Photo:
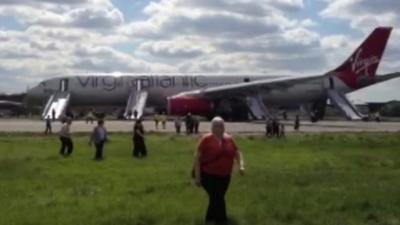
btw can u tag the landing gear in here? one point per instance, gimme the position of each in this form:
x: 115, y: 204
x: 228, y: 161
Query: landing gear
x: 317, y: 111
x: 231, y: 110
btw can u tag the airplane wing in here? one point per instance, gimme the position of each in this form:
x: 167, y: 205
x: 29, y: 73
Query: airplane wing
x: 257, y: 86
x: 246, y: 89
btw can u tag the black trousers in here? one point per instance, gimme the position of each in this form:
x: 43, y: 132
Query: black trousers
x: 189, y: 129
x: 139, y: 147
x: 178, y: 129
x: 216, y: 187
x: 99, y: 150
x: 66, y: 146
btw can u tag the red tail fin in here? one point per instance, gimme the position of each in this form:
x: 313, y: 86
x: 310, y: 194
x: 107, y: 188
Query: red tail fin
x: 359, y: 70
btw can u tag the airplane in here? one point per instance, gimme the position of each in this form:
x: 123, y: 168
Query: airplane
x: 232, y: 96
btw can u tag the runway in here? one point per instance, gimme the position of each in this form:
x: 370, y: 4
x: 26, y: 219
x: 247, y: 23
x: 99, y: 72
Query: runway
x: 37, y: 126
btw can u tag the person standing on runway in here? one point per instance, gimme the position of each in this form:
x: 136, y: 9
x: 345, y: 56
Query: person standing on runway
x: 48, y: 125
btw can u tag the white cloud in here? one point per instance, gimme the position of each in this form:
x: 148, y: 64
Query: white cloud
x: 287, y: 4
x: 222, y: 29
x: 335, y: 42
x: 308, y: 23
x: 95, y: 18
x: 96, y: 14
x: 222, y: 18
x: 364, y: 14
x: 181, y: 48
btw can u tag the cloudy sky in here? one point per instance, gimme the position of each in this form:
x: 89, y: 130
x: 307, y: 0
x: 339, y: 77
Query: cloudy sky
x: 40, y: 39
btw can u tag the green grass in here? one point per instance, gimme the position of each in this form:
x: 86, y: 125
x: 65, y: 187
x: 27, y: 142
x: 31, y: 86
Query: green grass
x: 322, y: 179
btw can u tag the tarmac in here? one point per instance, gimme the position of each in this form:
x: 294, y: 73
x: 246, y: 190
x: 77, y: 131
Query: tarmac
x: 38, y: 126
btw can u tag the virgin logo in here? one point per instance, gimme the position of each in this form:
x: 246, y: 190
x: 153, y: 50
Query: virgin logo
x: 359, y: 64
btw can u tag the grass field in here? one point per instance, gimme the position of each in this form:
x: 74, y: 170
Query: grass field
x: 321, y: 179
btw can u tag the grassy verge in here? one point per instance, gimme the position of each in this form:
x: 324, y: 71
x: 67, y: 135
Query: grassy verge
x: 305, y: 179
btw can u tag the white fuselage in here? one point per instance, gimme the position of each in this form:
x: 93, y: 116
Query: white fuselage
x: 115, y: 90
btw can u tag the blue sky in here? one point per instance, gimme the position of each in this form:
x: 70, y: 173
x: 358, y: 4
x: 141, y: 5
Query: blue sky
x: 40, y: 40
x: 132, y: 10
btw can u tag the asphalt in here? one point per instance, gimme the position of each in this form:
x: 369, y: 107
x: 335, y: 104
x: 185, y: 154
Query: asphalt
x: 38, y: 126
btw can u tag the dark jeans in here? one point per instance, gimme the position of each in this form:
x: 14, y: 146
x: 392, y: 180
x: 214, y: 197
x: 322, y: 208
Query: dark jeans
x: 66, y: 146
x: 99, y: 150
x: 216, y: 187
x: 189, y: 129
x: 178, y: 129
x: 139, y: 147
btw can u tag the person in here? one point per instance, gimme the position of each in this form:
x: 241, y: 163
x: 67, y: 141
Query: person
x: 121, y: 115
x: 178, y: 124
x: 163, y: 119
x: 189, y: 123
x: 377, y: 117
x: 156, y: 120
x: 282, y: 130
x: 69, y: 114
x: 275, y: 127
x: 213, y: 163
x: 48, y: 125
x: 313, y: 116
x: 99, y: 138
x: 65, y: 137
x: 53, y: 114
x: 135, y: 114
x: 139, y: 146
x: 297, y: 123
x: 268, y: 128
x: 90, y: 117
x: 129, y: 114
x: 196, y: 123
x: 284, y: 115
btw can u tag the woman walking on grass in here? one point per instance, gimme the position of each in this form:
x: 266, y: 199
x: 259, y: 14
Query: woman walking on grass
x: 213, y: 163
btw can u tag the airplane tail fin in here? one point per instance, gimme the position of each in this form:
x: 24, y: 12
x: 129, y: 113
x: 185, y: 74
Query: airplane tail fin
x: 359, y: 69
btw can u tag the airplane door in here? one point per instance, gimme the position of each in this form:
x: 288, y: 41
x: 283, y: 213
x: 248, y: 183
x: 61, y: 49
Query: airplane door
x: 64, y: 85
x: 139, y: 85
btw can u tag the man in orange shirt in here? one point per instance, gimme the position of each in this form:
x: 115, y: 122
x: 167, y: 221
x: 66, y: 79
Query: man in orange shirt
x: 213, y: 167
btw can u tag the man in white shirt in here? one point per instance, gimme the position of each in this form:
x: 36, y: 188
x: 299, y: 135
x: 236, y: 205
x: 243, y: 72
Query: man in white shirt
x: 65, y: 138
